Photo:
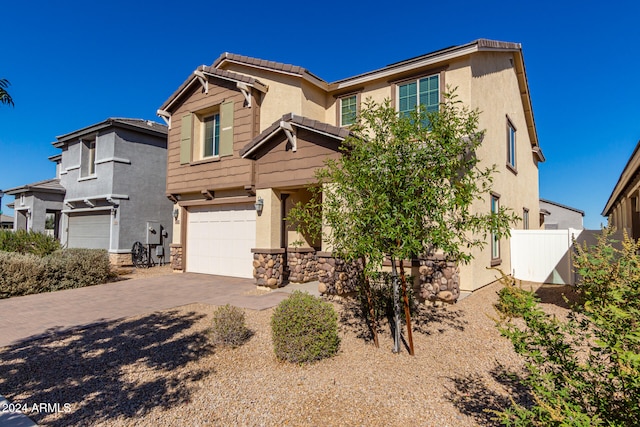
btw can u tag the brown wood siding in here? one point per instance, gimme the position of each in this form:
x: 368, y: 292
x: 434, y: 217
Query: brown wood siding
x: 278, y: 166
x: 227, y: 172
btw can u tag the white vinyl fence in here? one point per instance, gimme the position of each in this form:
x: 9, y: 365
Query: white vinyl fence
x: 543, y: 255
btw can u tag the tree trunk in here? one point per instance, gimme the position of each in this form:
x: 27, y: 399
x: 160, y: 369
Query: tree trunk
x: 396, y: 306
x: 372, y: 311
x: 407, y: 312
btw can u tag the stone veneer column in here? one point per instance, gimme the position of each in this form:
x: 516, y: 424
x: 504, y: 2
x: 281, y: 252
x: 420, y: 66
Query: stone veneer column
x: 176, y: 257
x: 439, y: 279
x: 302, y: 265
x: 269, y: 267
x: 336, y: 276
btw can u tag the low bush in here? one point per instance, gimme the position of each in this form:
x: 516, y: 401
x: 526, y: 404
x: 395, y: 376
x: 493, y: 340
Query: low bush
x: 304, y: 329
x: 513, y: 301
x: 228, y: 327
x: 584, y: 370
x: 23, y: 274
x: 28, y: 242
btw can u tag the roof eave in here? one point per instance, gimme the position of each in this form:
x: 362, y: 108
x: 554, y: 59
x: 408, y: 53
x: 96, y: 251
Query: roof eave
x: 627, y: 172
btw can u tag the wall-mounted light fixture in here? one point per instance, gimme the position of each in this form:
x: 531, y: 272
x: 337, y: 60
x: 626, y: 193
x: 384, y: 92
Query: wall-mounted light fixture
x: 259, y: 205
x: 176, y: 212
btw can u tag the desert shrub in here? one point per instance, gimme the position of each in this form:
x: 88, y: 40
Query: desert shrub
x: 584, y: 370
x: 304, y: 329
x: 28, y: 242
x: 23, y: 274
x: 513, y: 300
x: 228, y: 327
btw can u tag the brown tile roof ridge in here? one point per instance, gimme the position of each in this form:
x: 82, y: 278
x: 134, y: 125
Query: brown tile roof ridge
x: 263, y: 63
x: 230, y: 75
x: 311, y: 124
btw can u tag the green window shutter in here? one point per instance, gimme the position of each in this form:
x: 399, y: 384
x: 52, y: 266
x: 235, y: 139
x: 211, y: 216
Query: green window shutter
x: 186, y: 127
x: 226, y: 129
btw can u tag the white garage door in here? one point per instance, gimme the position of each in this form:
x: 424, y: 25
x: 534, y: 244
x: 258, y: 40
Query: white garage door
x: 89, y: 230
x: 219, y: 240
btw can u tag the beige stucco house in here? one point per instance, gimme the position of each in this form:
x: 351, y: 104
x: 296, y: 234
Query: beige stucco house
x: 246, y: 136
x: 623, y: 207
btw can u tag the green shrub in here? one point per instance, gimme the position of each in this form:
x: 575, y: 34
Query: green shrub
x: 228, y: 327
x: 513, y: 301
x: 304, y: 329
x: 584, y: 370
x: 28, y: 242
x: 23, y: 274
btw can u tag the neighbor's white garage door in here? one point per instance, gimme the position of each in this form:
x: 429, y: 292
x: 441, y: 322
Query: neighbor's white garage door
x: 219, y: 240
x: 89, y: 230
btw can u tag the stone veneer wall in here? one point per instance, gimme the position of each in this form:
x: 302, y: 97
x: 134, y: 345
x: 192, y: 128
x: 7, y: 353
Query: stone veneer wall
x: 302, y: 264
x: 268, y: 267
x: 336, y: 276
x: 176, y: 256
x: 439, y: 279
x: 120, y: 260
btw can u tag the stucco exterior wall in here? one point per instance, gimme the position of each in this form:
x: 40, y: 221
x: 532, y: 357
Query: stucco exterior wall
x: 495, y: 92
x: 561, y: 218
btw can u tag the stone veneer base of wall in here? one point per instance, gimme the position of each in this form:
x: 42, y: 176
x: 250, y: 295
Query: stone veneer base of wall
x: 439, y: 279
x: 120, y: 260
x: 175, y: 257
x: 269, y: 267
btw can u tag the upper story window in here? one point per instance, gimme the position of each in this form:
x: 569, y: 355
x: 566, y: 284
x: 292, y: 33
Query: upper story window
x: 423, y: 92
x: 511, y: 145
x: 207, y: 134
x: 88, y: 157
x: 348, y: 110
x: 211, y: 135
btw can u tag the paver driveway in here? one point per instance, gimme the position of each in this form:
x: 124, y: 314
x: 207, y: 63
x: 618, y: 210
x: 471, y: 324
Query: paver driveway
x: 32, y: 316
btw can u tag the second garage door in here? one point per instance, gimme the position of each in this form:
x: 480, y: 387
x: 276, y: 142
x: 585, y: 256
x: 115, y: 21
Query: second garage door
x: 219, y: 240
x: 89, y: 230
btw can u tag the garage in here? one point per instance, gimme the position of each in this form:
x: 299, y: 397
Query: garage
x: 90, y: 230
x: 220, y: 239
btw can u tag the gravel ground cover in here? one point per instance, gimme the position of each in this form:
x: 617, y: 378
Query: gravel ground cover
x: 161, y: 369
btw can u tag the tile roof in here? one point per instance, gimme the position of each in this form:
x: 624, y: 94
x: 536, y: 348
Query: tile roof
x: 262, y: 63
x: 223, y: 74
x: 147, y: 126
x: 299, y: 121
x: 47, y: 186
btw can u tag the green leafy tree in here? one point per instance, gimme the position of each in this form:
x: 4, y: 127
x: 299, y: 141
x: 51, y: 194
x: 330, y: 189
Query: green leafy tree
x: 5, y: 97
x: 584, y: 370
x: 404, y: 186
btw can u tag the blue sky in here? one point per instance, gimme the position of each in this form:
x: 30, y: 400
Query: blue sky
x: 75, y: 63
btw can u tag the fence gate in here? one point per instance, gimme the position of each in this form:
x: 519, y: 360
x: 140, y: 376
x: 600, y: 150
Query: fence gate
x: 543, y: 255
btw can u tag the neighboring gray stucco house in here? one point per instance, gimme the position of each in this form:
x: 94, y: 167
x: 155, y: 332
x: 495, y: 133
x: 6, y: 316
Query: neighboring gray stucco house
x: 38, y: 206
x: 114, y: 173
x: 560, y: 217
x: 6, y: 222
x: 108, y: 192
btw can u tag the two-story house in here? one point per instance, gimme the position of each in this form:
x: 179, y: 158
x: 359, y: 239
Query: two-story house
x: 246, y: 135
x: 108, y: 192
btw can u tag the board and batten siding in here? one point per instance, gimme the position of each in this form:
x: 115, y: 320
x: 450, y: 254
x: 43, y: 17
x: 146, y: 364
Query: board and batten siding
x: 230, y: 170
